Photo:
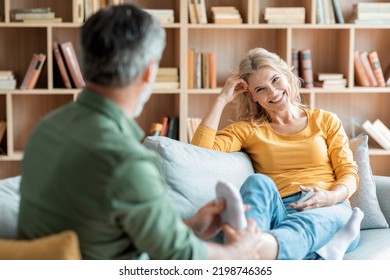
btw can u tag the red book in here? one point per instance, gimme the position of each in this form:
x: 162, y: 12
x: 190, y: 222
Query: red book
x: 164, y: 129
x: 376, y: 68
x: 367, y: 68
x: 61, y: 65
x: 37, y: 71
x: 72, y: 64
x: 29, y: 72
x: 306, y: 68
x: 361, y: 78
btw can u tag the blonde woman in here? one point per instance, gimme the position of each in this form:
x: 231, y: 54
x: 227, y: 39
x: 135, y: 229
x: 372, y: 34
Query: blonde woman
x: 294, y: 149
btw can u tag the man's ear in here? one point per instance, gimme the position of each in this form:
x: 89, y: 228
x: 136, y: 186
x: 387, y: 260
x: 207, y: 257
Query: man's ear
x: 150, y: 72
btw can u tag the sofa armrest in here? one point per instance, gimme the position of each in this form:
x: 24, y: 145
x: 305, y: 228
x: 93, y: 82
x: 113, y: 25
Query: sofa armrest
x: 383, y: 194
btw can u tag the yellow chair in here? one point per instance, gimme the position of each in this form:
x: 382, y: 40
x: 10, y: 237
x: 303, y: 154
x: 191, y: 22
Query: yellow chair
x: 60, y: 246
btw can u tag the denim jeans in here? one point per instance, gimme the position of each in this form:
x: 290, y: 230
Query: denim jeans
x: 299, y: 234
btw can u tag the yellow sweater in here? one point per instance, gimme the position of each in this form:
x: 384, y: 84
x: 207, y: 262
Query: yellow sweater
x: 319, y: 155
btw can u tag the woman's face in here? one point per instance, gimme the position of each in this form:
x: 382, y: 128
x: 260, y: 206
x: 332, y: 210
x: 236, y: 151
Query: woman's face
x: 270, y: 89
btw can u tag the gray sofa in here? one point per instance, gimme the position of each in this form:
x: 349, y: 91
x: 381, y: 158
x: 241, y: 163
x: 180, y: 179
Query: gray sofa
x: 192, y: 172
x: 191, y: 175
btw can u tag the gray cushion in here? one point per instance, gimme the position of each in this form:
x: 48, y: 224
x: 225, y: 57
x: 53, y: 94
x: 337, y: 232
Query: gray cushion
x: 365, y: 198
x: 192, y: 172
x: 374, y: 245
x: 9, y: 206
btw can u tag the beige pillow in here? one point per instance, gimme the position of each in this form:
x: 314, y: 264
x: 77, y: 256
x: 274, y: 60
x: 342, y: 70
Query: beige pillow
x: 365, y: 197
x: 60, y: 246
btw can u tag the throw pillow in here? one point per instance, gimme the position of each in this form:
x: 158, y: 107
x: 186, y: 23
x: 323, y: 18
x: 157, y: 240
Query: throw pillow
x: 365, y: 197
x: 9, y: 206
x: 192, y: 172
x: 60, y: 246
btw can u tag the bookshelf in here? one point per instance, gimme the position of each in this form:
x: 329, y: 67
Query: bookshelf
x: 332, y: 47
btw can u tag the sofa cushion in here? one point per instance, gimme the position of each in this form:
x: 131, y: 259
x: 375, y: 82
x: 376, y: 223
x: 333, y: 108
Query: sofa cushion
x: 365, y: 197
x: 60, y: 246
x: 9, y: 206
x: 192, y: 172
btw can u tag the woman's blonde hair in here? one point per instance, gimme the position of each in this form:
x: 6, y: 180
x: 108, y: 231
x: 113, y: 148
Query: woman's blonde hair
x: 246, y: 108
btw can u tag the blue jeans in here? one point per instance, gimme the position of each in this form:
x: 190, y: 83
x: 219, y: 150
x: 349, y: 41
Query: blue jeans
x: 299, y: 234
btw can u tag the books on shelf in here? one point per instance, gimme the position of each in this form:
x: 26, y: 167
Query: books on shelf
x: 34, y: 15
x: 368, y: 70
x: 305, y: 68
x: 202, y: 69
x: 168, y: 126
x: 72, y: 64
x: 226, y: 15
x: 295, y: 61
x: 7, y: 80
x: 285, y: 15
x: 33, y: 72
x: 330, y: 80
x: 329, y: 12
x: 379, y: 132
x: 59, y: 62
x: 371, y: 13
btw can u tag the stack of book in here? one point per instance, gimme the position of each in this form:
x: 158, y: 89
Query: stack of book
x: 167, y: 78
x: 285, y: 15
x: 329, y: 12
x: 371, y: 13
x: 330, y: 80
x: 379, y: 132
x: 34, y: 15
x: 163, y: 15
x: 368, y: 70
x: 202, y: 69
x: 226, y: 15
x: 7, y: 80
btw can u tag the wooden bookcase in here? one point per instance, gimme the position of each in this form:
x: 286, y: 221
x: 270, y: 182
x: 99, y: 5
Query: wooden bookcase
x: 332, y: 48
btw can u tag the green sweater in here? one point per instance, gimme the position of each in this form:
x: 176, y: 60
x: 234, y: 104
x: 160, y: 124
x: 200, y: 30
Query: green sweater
x: 85, y: 169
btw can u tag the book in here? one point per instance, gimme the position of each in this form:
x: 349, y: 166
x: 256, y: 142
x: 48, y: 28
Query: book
x: 29, y: 72
x: 61, y: 65
x: 173, y: 127
x: 337, y: 83
x: 42, y: 20
x: 329, y: 76
x: 200, y: 7
x: 295, y: 61
x: 22, y: 16
x: 166, y: 85
x: 198, y: 69
x: 205, y: 70
x: 306, y: 68
x: 367, y: 69
x: 192, y: 12
x: 72, y: 63
x: 155, y: 129
x: 191, y: 68
x: 164, y: 128
x: 374, y: 134
x: 382, y: 129
x: 213, y: 69
x: 376, y: 68
x: 37, y: 71
x: 338, y: 12
x: 361, y: 77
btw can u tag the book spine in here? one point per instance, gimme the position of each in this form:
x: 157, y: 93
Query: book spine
x: 191, y: 68
x: 61, y: 65
x: 200, y: 6
x: 306, y: 68
x: 213, y: 69
x: 370, y: 129
x: 29, y: 72
x: 376, y: 68
x: 198, y: 69
x: 205, y: 70
x: 361, y: 78
x: 295, y: 62
x: 72, y: 63
x: 368, y: 69
x: 338, y: 12
x: 192, y: 12
x: 37, y: 71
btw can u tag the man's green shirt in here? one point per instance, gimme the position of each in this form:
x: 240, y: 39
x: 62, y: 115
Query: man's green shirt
x: 85, y: 169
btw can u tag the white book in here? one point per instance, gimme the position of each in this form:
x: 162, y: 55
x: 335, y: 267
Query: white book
x: 372, y: 132
x: 382, y: 129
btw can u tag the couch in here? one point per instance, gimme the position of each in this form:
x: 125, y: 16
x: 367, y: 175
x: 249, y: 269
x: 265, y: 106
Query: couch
x: 192, y: 173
